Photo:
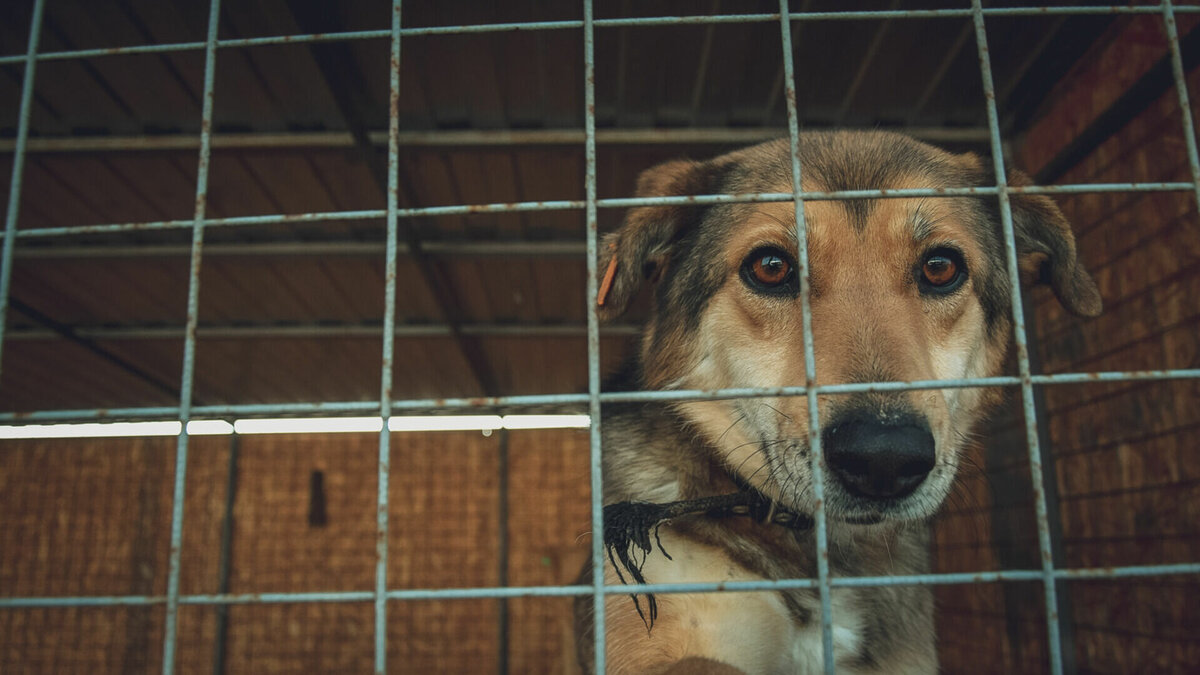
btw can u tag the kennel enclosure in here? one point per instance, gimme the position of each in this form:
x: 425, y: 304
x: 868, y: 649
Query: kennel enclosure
x: 231, y: 211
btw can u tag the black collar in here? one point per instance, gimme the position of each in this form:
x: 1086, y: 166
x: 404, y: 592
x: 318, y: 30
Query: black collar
x: 629, y: 524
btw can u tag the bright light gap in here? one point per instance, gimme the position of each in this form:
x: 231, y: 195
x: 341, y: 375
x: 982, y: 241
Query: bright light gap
x: 296, y: 425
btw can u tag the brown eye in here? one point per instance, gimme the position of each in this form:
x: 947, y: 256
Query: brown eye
x: 770, y: 269
x: 942, y: 271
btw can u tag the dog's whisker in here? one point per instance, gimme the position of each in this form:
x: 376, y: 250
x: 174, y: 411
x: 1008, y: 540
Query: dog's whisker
x: 761, y: 448
x: 779, y: 412
x: 741, y: 418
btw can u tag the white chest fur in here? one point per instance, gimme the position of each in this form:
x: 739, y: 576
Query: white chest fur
x: 753, y: 631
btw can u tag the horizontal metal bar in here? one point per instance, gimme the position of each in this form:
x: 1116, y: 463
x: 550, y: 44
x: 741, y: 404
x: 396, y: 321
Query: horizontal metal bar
x: 506, y: 249
x: 143, y: 600
x: 470, y: 593
x: 274, y: 219
x: 615, y: 203
x: 461, y: 138
x: 773, y: 392
x: 894, y: 193
x: 966, y: 13
x: 212, y: 411
x: 599, y: 23
x: 346, y: 407
x: 317, y: 330
x: 101, y: 414
x: 1100, y: 573
x: 263, y: 409
x: 82, y: 601
x: 1080, y: 574
x: 306, y: 38
x: 863, y: 387
x: 111, y: 51
x: 1093, y: 188
x: 1118, y: 376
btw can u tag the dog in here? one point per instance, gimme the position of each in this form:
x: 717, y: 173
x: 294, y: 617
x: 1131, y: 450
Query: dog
x: 902, y: 289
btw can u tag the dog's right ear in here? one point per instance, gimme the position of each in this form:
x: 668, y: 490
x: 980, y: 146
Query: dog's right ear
x: 1046, y: 250
x: 641, y: 250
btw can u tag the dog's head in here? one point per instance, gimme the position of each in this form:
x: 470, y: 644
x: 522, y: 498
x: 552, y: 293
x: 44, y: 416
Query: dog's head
x: 902, y: 289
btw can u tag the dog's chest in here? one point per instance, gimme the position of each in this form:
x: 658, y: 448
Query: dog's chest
x: 758, y: 632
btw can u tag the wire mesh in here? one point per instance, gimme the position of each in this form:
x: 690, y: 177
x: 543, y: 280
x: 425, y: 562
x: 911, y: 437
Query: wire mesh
x: 1049, y: 574
x: 618, y: 203
x: 389, y: 335
x: 598, y: 23
x: 816, y: 460
x: 189, y: 344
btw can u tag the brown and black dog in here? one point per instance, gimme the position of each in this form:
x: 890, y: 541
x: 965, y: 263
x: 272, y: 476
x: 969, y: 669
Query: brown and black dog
x: 902, y: 289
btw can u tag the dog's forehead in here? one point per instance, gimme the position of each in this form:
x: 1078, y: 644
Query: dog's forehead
x: 860, y: 161
x: 837, y: 161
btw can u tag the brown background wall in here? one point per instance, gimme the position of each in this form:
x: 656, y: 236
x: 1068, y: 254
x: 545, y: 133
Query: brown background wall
x: 93, y: 518
x: 1123, y: 453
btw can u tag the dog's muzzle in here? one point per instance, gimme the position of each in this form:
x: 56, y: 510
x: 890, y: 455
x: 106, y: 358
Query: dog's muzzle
x: 879, y: 461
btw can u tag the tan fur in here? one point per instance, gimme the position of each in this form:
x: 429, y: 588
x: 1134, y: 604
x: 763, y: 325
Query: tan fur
x: 870, y: 323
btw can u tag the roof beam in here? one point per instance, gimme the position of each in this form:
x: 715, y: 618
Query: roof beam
x: 87, y: 335
x: 57, y: 330
x: 467, y: 138
x: 341, y: 248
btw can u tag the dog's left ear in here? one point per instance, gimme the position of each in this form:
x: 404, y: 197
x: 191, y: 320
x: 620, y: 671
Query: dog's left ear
x: 641, y: 250
x: 1046, y: 250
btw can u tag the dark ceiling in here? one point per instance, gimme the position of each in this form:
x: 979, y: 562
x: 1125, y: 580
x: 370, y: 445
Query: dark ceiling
x: 488, y: 303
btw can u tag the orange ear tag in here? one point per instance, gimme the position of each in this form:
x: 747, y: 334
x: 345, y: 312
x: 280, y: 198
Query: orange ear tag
x: 606, y: 284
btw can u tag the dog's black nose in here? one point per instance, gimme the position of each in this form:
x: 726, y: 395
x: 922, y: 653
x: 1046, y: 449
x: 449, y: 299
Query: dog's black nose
x: 877, y: 460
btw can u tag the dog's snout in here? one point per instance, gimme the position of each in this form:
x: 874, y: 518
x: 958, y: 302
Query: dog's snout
x: 879, y: 461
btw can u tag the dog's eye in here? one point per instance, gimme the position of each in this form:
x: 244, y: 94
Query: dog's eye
x: 771, y: 270
x: 942, y: 271
x: 768, y: 269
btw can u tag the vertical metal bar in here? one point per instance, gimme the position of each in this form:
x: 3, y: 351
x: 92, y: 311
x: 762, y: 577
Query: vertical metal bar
x: 1185, y: 110
x: 1018, y: 311
x: 777, y: 87
x: 1066, y: 623
x: 18, y: 167
x: 189, y: 341
x: 810, y: 362
x: 593, y: 333
x: 389, y: 334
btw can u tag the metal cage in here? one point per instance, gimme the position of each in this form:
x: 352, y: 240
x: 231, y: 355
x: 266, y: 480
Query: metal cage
x: 1049, y: 574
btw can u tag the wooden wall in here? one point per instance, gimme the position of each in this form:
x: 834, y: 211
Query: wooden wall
x: 1123, y: 454
x: 93, y: 518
